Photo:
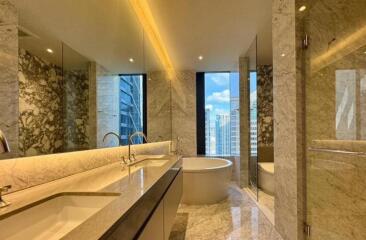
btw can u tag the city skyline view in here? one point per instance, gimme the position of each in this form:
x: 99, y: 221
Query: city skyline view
x: 222, y: 113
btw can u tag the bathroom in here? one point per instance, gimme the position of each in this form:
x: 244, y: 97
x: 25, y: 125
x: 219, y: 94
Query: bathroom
x: 136, y: 119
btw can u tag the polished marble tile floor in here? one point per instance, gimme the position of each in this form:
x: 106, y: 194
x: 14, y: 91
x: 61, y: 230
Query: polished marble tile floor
x: 236, y: 218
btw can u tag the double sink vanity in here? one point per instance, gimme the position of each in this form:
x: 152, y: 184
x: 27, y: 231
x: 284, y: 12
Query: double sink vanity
x: 115, y: 201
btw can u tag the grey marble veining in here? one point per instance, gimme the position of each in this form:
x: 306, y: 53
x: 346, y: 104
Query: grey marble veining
x: 27, y: 172
x: 171, y: 106
x: 236, y: 218
x: 336, y: 198
x: 265, y: 105
x: 159, y: 109
x: 184, y: 111
x: 288, y: 123
x: 53, y: 106
x: 244, y: 121
x: 8, y: 78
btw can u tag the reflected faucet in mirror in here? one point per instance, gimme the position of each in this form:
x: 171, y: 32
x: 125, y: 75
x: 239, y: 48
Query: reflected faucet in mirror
x: 114, y: 134
x: 130, y: 143
x: 4, y: 146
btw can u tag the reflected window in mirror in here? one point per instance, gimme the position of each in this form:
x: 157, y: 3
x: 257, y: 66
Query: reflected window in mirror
x: 121, y: 108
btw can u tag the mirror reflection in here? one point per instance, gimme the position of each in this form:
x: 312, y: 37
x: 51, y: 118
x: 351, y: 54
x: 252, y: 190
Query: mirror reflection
x: 80, y: 86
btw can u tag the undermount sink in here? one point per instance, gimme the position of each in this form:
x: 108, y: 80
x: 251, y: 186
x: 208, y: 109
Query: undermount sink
x: 53, y: 217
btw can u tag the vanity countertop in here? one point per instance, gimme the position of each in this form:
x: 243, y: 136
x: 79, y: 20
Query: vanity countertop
x: 109, y: 179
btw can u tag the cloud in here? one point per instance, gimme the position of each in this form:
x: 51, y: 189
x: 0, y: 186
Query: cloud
x: 220, y: 97
x: 220, y: 111
x: 253, y: 96
x: 220, y: 79
x: 209, y: 107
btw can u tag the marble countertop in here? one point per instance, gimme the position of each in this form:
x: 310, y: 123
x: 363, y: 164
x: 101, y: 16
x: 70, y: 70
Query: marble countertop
x: 111, y: 179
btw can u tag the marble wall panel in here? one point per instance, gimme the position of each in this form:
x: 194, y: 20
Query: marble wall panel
x: 184, y: 111
x: 159, y: 106
x: 92, y: 125
x: 288, y: 123
x: 26, y: 172
x: 244, y: 121
x: 53, y: 106
x: 9, y: 103
x: 41, y: 99
x: 265, y: 105
x: 265, y: 112
x: 107, y: 106
x: 76, y: 109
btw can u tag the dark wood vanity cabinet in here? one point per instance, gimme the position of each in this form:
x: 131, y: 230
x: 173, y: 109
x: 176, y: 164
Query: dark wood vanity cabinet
x: 161, y: 222
x: 152, y: 216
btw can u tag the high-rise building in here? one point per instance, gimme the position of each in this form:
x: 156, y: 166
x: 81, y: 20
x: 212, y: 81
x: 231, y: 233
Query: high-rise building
x: 130, y: 98
x: 222, y: 134
x: 208, y: 131
x: 253, y: 128
x: 234, y: 126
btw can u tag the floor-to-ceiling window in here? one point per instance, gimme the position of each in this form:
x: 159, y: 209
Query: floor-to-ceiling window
x: 221, y: 90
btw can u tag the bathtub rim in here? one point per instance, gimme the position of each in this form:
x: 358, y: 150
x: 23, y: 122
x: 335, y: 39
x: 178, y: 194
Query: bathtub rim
x: 228, y: 164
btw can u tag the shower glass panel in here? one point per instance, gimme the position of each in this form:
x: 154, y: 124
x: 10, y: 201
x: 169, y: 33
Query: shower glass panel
x: 252, y: 117
x: 253, y: 166
x: 334, y: 75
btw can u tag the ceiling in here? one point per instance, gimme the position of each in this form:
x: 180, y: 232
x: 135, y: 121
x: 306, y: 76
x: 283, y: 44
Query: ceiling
x: 219, y: 30
x: 109, y: 33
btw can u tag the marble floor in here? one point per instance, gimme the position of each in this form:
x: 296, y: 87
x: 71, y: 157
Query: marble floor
x: 266, y: 200
x: 236, y: 218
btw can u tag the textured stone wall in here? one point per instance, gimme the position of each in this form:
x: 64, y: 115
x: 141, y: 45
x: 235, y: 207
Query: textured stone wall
x: 265, y: 113
x: 76, y: 109
x: 53, y: 106
x: 41, y: 96
x: 265, y: 105
x: 8, y: 78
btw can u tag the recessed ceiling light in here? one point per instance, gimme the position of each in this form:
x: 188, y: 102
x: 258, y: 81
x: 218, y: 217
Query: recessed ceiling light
x: 282, y: 55
x: 200, y: 57
x: 302, y: 8
x: 131, y: 60
x: 49, y: 50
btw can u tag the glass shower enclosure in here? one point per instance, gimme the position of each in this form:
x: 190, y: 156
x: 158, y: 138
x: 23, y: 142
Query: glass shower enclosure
x: 334, y: 74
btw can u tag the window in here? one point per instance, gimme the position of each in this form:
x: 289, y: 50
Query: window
x: 253, y: 114
x: 221, y: 99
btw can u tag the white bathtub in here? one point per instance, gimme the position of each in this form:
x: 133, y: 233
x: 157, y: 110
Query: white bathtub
x: 266, y: 177
x: 205, y: 180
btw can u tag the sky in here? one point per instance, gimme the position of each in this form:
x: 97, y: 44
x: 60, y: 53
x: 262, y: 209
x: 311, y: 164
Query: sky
x: 218, y: 89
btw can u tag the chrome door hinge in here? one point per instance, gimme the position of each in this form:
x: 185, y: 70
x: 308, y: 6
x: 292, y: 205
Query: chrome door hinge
x: 305, y: 42
x: 307, y: 230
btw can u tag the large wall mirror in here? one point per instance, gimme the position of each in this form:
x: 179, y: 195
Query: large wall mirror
x: 88, y: 78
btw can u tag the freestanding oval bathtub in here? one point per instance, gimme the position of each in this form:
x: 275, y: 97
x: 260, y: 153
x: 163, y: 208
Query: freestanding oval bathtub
x: 205, y: 180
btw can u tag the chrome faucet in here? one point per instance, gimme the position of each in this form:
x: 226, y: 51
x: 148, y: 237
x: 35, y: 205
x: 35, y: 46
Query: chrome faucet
x: 4, y: 146
x: 130, y: 142
x: 114, y: 134
x: 3, y: 203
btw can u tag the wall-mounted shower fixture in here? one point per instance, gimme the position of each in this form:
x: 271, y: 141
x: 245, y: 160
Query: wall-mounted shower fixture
x: 4, y: 146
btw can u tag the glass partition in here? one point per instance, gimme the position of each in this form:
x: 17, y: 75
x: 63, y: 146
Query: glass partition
x: 334, y: 62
